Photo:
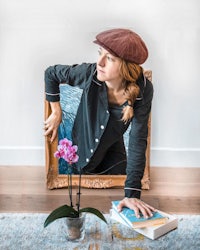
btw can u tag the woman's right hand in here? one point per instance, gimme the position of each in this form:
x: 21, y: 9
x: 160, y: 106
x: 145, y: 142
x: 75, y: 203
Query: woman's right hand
x: 53, y: 121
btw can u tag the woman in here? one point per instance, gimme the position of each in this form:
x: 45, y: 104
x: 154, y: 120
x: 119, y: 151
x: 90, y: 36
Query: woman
x: 115, y: 94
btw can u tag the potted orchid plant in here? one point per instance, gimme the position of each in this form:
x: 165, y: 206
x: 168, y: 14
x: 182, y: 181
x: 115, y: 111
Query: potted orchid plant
x: 68, y: 152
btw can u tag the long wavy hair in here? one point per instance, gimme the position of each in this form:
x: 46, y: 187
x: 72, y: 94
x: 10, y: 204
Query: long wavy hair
x: 130, y: 73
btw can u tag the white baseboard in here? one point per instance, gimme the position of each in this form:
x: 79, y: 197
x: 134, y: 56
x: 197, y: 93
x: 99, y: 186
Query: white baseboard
x: 166, y: 157
x: 23, y: 156
x: 175, y: 157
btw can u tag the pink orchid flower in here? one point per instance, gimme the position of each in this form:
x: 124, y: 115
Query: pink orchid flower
x: 71, y: 156
x: 65, y: 142
x: 66, y: 151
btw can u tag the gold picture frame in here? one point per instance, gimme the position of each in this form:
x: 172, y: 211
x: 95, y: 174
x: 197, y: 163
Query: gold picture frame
x: 55, y: 180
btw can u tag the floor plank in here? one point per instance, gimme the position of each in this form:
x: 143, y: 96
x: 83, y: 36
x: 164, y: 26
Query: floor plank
x: 23, y: 189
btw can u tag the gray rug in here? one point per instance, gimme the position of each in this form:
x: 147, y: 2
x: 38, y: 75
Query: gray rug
x: 26, y: 232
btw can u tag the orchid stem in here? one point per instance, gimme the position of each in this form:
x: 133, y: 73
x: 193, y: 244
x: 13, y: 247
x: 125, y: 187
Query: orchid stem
x: 70, y: 188
x: 79, y: 193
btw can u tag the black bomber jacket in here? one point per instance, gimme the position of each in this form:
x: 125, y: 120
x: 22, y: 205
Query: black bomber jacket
x: 93, y: 113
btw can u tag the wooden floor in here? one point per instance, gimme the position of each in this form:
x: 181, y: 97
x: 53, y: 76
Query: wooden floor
x: 173, y: 190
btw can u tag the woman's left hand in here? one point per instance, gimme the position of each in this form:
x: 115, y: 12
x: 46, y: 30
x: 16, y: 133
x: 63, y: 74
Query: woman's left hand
x: 138, y: 206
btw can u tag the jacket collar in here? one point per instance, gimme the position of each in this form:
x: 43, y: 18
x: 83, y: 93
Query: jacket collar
x: 95, y: 80
x: 102, y: 93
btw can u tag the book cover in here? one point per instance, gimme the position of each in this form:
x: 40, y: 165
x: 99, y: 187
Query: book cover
x: 130, y: 218
x: 151, y: 232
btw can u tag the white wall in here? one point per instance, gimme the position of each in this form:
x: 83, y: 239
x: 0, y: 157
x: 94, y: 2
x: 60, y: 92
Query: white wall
x: 37, y: 33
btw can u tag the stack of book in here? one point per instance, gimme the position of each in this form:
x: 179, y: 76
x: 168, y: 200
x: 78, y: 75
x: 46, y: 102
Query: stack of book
x: 154, y: 227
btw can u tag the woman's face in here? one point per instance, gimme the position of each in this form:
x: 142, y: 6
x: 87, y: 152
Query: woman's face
x: 108, y: 67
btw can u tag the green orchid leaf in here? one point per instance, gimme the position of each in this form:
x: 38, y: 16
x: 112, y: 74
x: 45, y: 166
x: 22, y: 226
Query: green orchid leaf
x: 93, y: 211
x: 61, y: 212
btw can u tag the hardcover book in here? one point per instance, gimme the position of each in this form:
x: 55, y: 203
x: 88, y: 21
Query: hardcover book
x: 130, y: 218
x: 154, y: 227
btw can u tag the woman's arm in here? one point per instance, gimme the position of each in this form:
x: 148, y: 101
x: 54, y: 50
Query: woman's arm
x: 54, y: 75
x: 136, y: 154
x: 137, y: 151
x: 53, y: 121
x: 75, y: 75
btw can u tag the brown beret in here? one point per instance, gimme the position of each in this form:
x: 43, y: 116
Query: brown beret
x: 123, y: 43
